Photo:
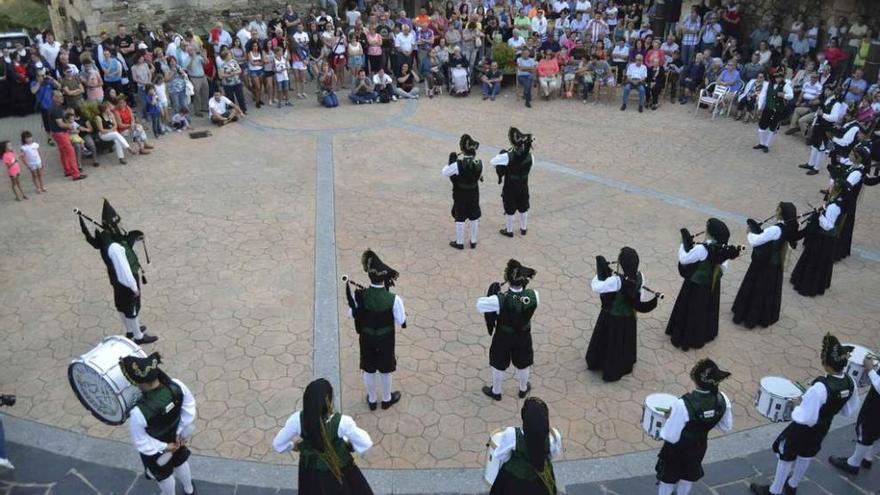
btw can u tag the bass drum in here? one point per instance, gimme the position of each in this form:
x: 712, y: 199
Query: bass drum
x: 99, y: 384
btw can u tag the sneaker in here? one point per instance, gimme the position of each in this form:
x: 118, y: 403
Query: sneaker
x: 456, y: 245
x: 505, y: 233
x: 395, y: 398
x: 4, y: 463
x: 487, y: 390
x: 523, y: 393
x: 842, y: 464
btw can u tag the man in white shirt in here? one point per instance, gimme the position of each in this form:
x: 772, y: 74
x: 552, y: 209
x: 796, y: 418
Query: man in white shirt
x: 404, y: 48
x: 539, y: 25
x: 383, y: 85
x: 808, y: 102
x: 636, y: 74
x: 222, y: 110
x: 260, y: 26
x: 516, y: 42
x: 49, y: 49
x: 243, y: 34
x: 223, y: 37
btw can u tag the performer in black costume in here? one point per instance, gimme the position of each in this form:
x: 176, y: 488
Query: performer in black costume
x: 694, y: 318
x: 831, y: 113
x: 686, y: 431
x: 325, y: 440
x: 811, y: 419
x: 376, y: 310
x: 774, y: 101
x: 511, y: 312
x: 123, y: 269
x: 613, y: 344
x: 867, y: 427
x: 159, y: 421
x: 526, y: 454
x: 760, y: 295
x: 513, y: 166
x: 812, y: 273
x: 465, y: 172
x: 850, y: 172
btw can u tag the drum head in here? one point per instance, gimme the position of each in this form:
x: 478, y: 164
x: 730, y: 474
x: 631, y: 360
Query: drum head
x: 780, y: 387
x: 858, y: 354
x: 96, y: 394
x: 660, y: 401
x: 495, y: 437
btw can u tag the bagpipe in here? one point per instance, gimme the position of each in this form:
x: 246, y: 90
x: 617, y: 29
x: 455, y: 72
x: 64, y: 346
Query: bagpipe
x: 645, y: 288
x: 131, y: 237
x: 354, y: 299
x: 723, y: 245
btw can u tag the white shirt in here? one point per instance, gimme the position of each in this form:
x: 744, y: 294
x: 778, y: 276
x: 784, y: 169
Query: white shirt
x: 490, y: 304
x: 807, y: 413
x: 359, y: 439
x: 620, y: 53
x: 243, y: 35
x: 539, y: 25
x: 762, y: 97
x: 224, y: 38
x: 639, y: 72
x: 501, y: 159
x: 678, y: 418
x: 769, y: 235
x: 31, y: 153
x: 848, y: 137
x: 811, y: 90
x: 281, y: 67
x: 583, y: 6
x: 398, y: 309
x: 219, y: 107
x: 874, y: 377
x: 507, y: 443
x: 405, y: 42
x: 829, y: 217
x: 695, y: 255
x: 120, y: 265
x: 838, y: 111
x: 137, y: 424
x: 49, y: 51
x: 516, y: 42
x: 260, y: 27
x: 381, y: 79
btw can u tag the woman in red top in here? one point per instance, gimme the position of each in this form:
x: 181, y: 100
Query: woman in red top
x: 548, y: 74
x: 128, y: 126
x: 655, y: 59
x: 834, y: 55
x: 210, y: 67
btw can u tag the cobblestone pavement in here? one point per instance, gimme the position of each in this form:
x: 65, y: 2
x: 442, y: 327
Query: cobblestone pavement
x: 230, y: 226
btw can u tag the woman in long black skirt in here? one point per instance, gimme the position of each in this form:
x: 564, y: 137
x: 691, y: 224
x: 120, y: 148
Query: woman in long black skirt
x: 613, y: 344
x: 760, y: 295
x: 325, y: 440
x: 851, y: 170
x: 526, y: 453
x: 812, y: 273
x: 694, y: 318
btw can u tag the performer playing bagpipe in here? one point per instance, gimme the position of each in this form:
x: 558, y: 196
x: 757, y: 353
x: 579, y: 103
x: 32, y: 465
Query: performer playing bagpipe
x: 811, y: 419
x: 686, y: 431
x: 508, y: 318
x: 526, y: 454
x: 830, y: 113
x: 513, y: 166
x: 158, y: 421
x: 760, y: 295
x: 612, y: 347
x: 325, y: 441
x: 773, y: 101
x: 123, y: 269
x: 376, y: 310
x: 465, y: 172
x: 850, y: 172
x: 867, y: 426
x: 694, y: 318
x: 812, y: 273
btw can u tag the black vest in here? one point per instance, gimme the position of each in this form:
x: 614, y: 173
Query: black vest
x: 704, y: 412
x: 161, y: 408
x: 519, y: 164
x: 514, y: 313
x: 839, y: 391
x: 375, y: 314
x: 469, y: 171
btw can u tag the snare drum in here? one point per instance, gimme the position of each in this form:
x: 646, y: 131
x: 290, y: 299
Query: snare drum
x: 854, y: 367
x: 654, y: 413
x: 493, y: 465
x: 775, y: 398
x: 98, y: 381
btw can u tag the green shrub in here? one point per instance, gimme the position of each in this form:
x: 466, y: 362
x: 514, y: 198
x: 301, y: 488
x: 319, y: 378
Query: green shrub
x: 505, y: 56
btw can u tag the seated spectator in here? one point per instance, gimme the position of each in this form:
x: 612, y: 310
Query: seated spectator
x: 106, y: 123
x: 548, y: 74
x: 181, y: 121
x: 674, y: 69
x: 865, y: 112
x: 569, y: 73
x: 491, y: 80
x: 407, y: 83
x: 326, y: 86
x: 692, y: 77
x: 362, y: 89
x: 383, y: 85
x: 222, y: 110
x: 86, y: 133
x: 459, y: 73
x: 808, y: 101
x: 525, y: 75
x: 127, y: 125
x: 435, y: 79
x: 516, y: 42
x: 802, y: 76
x: 747, y: 101
x: 636, y: 75
x: 751, y: 69
x: 855, y: 87
x: 620, y: 58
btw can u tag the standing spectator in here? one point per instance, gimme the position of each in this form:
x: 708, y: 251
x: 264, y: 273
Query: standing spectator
x: 835, y: 57
x: 124, y: 43
x: 636, y: 75
x: 91, y: 79
x: 43, y: 87
x: 597, y: 29
x: 673, y: 15
x: 290, y: 20
x: 491, y: 80
x: 338, y: 57
x: 374, y: 49
x: 195, y: 70
x: 800, y: 45
x: 362, y: 89
x: 72, y: 88
x: 709, y: 32
x: 269, y: 86
x: 259, y: 26
x: 620, y: 59
x: 142, y: 74
x: 153, y: 110
x: 425, y: 42
x: 161, y: 99
x: 765, y: 54
x: 60, y: 128
x: 219, y: 36
x: 759, y: 34
x: 244, y: 33
x: 33, y: 159
x: 731, y: 19
x: 404, y: 46
x: 282, y: 76
x: 355, y: 56
x: 230, y: 79
x: 175, y: 80
x: 539, y: 25
x: 49, y: 49
x: 113, y: 71
x: 854, y: 35
x: 255, y: 73
x: 13, y: 169
x: 525, y: 75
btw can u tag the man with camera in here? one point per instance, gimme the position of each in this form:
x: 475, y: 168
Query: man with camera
x: 8, y: 401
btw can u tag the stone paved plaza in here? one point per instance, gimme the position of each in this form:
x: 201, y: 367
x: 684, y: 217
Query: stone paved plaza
x: 250, y: 229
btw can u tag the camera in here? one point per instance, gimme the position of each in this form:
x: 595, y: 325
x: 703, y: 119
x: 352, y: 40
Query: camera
x: 7, y: 400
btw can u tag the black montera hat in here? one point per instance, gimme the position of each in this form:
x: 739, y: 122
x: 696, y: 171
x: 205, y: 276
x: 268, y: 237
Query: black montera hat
x: 377, y: 271
x: 835, y: 355
x: 707, y: 375
x: 718, y: 230
x: 108, y: 215
x: 467, y: 144
x: 518, y: 275
x: 628, y: 259
x: 141, y: 370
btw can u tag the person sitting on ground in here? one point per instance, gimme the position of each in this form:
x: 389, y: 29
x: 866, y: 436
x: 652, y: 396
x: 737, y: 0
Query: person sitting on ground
x: 383, y: 85
x: 222, y: 110
x: 362, y: 89
x: 181, y: 121
x: 491, y: 80
x: 407, y: 83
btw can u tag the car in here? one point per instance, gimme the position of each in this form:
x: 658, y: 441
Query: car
x: 9, y: 39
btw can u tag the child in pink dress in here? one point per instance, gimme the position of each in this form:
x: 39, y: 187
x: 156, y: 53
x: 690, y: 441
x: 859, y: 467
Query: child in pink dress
x: 13, y: 169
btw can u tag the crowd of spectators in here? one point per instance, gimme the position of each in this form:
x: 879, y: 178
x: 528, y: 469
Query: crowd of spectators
x: 121, y: 85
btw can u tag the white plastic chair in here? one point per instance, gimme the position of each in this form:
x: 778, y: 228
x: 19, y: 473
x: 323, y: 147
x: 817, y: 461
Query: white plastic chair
x: 713, y: 96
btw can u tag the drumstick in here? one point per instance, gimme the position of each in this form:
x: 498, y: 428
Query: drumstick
x: 800, y: 386
x: 663, y: 410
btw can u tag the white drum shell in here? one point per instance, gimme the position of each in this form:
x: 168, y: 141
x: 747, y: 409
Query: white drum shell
x: 775, y: 398
x: 854, y: 367
x: 98, y: 381
x: 652, y: 419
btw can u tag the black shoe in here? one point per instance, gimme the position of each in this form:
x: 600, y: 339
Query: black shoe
x: 760, y: 489
x: 148, y: 339
x: 373, y: 405
x: 765, y: 149
x: 395, y: 398
x: 528, y: 104
x: 641, y: 109
x: 456, y: 245
x: 813, y: 172
x: 505, y: 233
x: 866, y: 464
x: 758, y: 147
x: 788, y: 489
x: 805, y: 166
x: 487, y: 390
x: 841, y: 464
x: 523, y: 231
x: 523, y: 393
x: 473, y: 245
x: 623, y: 107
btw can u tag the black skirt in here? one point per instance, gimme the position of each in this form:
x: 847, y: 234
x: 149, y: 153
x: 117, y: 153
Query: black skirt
x: 812, y: 273
x: 694, y: 318
x: 613, y: 346
x: 843, y: 248
x: 760, y: 295
x: 507, y: 484
x: 680, y: 461
x: 318, y: 482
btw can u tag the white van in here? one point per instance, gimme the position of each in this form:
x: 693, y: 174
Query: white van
x: 9, y: 39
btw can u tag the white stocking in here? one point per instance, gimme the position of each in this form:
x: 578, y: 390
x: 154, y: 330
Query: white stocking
x: 861, y: 452
x: 167, y: 486
x: 782, y: 470
x: 665, y: 489
x: 475, y: 229
x: 497, y: 380
x: 874, y: 451
x: 814, y: 157
x: 769, y: 139
x: 800, y: 469
x: 459, y: 233
x: 761, y: 138
x: 184, y: 475
x: 683, y: 488
x: 508, y: 219
x: 524, y: 220
x: 385, y: 378
x: 370, y: 384
x: 522, y: 378
x: 132, y: 326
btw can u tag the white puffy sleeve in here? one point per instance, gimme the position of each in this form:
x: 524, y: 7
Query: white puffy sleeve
x: 852, y: 405
x: 283, y: 441
x: 696, y: 254
x: 610, y: 284
x: 359, y: 439
x: 770, y: 234
x: 187, y: 409
x: 488, y: 304
x: 506, y: 444
x: 807, y: 413
x: 678, y: 418
x: 726, y: 423
x: 828, y: 219
x: 500, y: 160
